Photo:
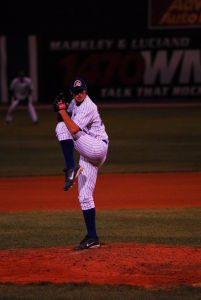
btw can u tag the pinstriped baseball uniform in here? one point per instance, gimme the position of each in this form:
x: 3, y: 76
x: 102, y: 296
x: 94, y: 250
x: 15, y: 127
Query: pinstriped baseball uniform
x: 21, y: 88
x: 91, y: 142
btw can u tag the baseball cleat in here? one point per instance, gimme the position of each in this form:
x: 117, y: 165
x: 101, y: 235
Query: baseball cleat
x: 71, y: 175
x: 88, y: 243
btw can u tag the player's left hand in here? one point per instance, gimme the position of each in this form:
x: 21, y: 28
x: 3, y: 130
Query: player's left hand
x: 60, y: 102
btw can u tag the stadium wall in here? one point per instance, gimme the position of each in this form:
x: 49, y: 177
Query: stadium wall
x: 158, y: 60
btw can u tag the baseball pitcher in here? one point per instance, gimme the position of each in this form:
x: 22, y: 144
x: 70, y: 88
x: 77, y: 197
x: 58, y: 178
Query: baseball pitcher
x: 80, y: 127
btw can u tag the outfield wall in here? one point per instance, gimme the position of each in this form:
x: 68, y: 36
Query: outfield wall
x: 135, y: 68
x: 160, y: 61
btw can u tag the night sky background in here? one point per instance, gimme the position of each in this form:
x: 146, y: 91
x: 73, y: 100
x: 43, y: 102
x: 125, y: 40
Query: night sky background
x: 82, y: 17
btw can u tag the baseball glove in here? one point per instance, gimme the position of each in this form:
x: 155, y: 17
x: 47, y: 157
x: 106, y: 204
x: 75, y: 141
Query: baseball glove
x: 61, y: 102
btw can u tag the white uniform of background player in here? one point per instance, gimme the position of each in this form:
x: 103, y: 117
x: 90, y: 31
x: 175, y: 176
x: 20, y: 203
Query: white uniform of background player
x: 21, y: 89
x: 91, y: 142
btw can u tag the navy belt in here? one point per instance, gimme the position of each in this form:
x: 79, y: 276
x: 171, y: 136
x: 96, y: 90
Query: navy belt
x: 105, y: 141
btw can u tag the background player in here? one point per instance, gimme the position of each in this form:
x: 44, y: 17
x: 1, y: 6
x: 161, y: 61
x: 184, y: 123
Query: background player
x: 21, y: 89
x: 85, y: 131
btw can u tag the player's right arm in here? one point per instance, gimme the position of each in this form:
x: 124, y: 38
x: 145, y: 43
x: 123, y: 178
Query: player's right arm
x: 61, y: 106
x: 70, y: 124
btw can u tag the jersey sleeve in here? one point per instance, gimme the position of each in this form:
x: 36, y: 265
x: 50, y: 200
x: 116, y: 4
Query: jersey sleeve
x: 70, y: 107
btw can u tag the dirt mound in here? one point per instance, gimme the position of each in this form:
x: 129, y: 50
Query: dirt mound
x: 116, y: 263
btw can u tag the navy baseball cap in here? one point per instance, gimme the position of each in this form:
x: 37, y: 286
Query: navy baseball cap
x: 77, y: 85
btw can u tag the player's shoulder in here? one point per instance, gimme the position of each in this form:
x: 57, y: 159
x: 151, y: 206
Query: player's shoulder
x: 89, y: 103
x: 15, y: 80
x: 28, y: 79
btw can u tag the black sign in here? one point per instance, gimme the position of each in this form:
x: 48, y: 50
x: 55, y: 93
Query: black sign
x: 132, y: 69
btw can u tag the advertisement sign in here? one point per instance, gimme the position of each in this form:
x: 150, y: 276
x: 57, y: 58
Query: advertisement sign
x: 174, y: 14
x: 128, y: 69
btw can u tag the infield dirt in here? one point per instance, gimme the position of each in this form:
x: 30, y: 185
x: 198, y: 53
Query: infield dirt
x: 135, y: 190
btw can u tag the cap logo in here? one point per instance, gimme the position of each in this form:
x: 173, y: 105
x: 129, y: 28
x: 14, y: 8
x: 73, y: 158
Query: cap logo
x: 77, y: 83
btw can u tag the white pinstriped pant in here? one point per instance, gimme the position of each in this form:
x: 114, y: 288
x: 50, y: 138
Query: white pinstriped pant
x: 13, y: 106
x: 92, y: 155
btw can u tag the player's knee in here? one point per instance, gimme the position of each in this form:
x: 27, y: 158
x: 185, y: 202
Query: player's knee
x: 62, y: 132
x: 86, y: 203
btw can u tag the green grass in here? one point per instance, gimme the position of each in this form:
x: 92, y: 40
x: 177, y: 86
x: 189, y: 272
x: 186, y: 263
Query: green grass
x: 51, y: 228
x: 141, y: 140
x: 85, y: 291
x: 58, y: 228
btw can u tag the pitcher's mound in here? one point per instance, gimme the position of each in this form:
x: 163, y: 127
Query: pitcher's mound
x: 135, y: 264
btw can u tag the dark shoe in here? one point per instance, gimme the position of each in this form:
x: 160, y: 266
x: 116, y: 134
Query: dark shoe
x: 71, y: 175
x: 88, y: 243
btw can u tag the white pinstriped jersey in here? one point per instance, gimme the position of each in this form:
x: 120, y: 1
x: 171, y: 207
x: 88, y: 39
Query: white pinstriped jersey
x: 90, y: 143
x: 87, y: 117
